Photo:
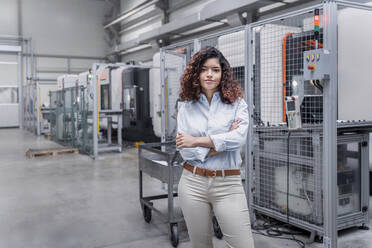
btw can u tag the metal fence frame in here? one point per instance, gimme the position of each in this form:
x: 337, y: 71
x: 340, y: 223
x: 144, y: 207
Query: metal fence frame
x: 193, y: 45
x: 330, y: 9
x: 329, y: 126
x: 250, y: 149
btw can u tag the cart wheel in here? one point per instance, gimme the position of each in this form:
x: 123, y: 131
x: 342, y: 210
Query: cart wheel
x: 216, y: 228
x: 364, y: 227
x: 174, y: 234
x: 147, y: 213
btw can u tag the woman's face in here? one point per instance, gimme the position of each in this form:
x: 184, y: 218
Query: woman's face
x: 210, y: 75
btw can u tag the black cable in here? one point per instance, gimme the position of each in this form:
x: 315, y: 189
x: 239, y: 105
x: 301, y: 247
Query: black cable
x: 273, y: 230
x: 318, y: 85
x: 289, y: 135
x: 299, y: 242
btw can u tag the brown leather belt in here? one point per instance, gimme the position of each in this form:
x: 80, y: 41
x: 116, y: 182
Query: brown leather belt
x: 210, y: 173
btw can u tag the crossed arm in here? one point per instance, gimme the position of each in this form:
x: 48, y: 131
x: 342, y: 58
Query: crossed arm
x: 184, y: 140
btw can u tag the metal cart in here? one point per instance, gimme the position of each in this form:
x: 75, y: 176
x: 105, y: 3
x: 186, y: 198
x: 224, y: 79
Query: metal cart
x: 162, y: 161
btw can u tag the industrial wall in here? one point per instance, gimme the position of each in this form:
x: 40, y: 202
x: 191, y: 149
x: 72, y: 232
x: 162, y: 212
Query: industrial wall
x: 8, y: 17
x: 67, y: 27
x: 67, y: 36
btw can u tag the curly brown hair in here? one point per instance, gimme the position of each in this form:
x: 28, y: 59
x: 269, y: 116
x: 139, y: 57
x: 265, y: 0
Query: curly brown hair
x: 230, y: 90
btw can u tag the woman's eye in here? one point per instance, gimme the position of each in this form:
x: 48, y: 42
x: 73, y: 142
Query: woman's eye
x: 216, y: 70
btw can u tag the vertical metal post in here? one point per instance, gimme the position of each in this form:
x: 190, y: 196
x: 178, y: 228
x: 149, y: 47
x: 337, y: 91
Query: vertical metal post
x: 32, y: 60
x: 170, y: 189
x: 24, y: 98
x: 330, y: 128
x: 64, y: 124
x: 20, y: 91
x: 38, y: 102
x: 318, y: 176
x: 140, y: 174
x: 95, y: 111
x: 162, y: 78
x: 38, y: 111
x: 197, y: 45
x: 364, y: 170
x: 248, y: 95
x: 109, y: 130
x: 120, y: 128
x: 27, y: 59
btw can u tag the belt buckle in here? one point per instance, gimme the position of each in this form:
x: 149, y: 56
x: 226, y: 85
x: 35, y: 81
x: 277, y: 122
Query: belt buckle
x: 214, y: 173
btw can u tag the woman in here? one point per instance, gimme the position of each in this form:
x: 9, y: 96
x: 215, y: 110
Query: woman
x: 212, y: 126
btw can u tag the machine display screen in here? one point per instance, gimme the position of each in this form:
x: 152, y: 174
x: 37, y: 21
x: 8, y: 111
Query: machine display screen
x: 291, y: 106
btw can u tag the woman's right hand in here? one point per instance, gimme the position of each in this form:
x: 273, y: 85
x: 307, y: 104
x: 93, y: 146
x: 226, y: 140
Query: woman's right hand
x: 184, y: 140
x: 235, y: 125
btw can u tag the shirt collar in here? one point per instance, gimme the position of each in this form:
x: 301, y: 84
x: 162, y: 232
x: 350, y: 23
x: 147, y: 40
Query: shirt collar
x: 216, y: 96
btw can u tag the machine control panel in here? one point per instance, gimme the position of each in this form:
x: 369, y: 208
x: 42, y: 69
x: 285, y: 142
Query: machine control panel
x: 316, y: 64
x: 292, y: 104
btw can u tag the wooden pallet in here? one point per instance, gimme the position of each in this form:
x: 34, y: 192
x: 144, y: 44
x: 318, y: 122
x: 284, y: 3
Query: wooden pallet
x: 32, y: 153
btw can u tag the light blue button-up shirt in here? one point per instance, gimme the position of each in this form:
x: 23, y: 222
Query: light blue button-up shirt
x: 199, y: 119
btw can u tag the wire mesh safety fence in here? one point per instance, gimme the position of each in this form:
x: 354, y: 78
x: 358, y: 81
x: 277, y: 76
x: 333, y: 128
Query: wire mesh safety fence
x: 353, y: 97
x: 85, y: 119
x: 63, y: 128
x: 173, y: 63
x: 30, y: 107
x: 287, y: 164
x: 287, y: 168
x: 71, y: 123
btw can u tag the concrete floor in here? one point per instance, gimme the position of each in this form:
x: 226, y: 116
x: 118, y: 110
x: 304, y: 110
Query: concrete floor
x: 73, y: 201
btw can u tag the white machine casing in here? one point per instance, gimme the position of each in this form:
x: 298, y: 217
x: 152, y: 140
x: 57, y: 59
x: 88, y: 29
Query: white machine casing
x: 67, y: 81
x: 299, y: 198
x: 226, y: 42
x: 106, y: 75
x: 83, y: 78
x: 117, y: 88
x: 155, y: 95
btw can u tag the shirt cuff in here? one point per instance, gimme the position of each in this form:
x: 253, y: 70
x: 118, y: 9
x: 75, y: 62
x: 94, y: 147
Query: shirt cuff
x: 202, y: 153
x: 195, y: 153
x: 218, y: 142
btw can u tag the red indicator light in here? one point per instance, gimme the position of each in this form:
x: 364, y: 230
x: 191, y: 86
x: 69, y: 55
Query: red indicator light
x: 311, y: 67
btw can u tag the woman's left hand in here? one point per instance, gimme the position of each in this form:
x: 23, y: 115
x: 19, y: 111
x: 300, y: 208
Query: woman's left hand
x: 184, y: 140
x: 235, y: 125
x: 212, y: 153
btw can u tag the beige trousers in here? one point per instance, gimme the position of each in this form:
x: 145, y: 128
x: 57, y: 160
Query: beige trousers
x: 200, y: 195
